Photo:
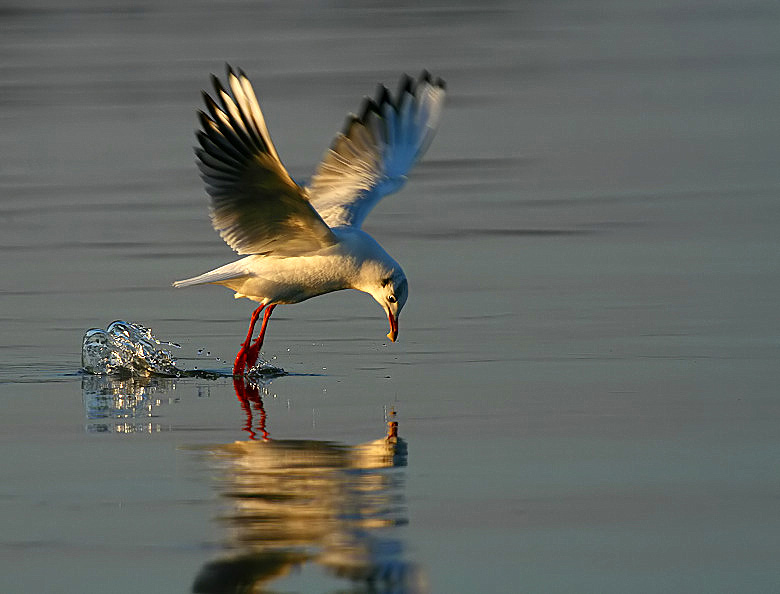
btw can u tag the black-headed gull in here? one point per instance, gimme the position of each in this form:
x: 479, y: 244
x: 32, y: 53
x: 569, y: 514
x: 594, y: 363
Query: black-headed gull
x: 303, y: 241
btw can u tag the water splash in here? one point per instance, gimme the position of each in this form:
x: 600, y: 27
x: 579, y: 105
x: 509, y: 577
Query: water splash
x: 126, y: 349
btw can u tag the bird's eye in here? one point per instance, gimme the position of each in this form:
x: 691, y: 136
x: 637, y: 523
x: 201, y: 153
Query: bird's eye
x: 391, y: 299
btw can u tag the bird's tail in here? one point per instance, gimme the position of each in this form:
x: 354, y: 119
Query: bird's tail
x: 220, y: 275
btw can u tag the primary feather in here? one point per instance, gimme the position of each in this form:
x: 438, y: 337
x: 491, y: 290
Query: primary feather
x: 376, y: 150
x: 256, y: 207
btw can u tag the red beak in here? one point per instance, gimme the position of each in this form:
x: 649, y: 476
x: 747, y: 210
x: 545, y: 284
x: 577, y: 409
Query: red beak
x: 393, y: 334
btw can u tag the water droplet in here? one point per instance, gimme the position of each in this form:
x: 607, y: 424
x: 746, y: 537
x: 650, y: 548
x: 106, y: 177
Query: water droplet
x: 125, y: 348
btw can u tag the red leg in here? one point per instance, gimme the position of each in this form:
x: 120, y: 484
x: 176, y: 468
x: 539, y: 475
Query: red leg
x: 240, y: 363
x: 254, y: 351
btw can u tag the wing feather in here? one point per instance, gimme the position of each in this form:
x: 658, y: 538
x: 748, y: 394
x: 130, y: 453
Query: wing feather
x: 374, y: 153
x: 256, y: 207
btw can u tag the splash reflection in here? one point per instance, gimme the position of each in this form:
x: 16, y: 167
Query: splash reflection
x: 126, y: 405
x: 292, y: 503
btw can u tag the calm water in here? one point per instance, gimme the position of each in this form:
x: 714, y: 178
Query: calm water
x: 586, y: 382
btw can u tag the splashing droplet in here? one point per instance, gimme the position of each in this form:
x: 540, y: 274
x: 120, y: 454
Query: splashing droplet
x: 126, y: 349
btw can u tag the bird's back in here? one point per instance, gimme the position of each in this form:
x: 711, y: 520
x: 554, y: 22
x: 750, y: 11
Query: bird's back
x: 348, y: 264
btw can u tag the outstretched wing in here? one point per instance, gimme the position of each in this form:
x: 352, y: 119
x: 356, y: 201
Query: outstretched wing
x: 373, y: 155
x: 256, y: 207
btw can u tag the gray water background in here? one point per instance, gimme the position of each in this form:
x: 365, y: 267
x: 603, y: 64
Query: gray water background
x: 587, y: 370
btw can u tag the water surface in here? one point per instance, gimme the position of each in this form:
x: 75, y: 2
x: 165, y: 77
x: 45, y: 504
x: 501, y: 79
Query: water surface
x: 586, y: 381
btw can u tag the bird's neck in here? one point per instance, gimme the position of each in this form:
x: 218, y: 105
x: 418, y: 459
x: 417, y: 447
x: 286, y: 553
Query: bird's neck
x: 370, y: 260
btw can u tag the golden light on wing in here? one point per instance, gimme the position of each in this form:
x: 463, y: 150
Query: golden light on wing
x: 256, y: 207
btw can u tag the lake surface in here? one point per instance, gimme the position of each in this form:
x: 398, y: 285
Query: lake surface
x: 586, y: 382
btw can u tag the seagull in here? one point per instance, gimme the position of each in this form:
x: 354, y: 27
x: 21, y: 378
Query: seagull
x: 301, y: 241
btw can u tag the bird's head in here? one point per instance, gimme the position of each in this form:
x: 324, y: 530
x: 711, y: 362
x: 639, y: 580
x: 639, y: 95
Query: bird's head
x: 377, y: 274
x: 391, y: 290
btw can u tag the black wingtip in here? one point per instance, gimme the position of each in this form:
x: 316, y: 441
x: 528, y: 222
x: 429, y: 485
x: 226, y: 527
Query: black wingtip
x: 352, y: 119
x: 203, y: 139
x: 205, y: 120
x: 368, y: 106
x: 211, y: 105
x: 406, y: 85
x: 383, y: 96
x: 217, y: 84
x: 427, y: 78
x: 365, y: 107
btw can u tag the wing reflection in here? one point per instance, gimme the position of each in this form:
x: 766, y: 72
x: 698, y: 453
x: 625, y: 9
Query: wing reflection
x: 297, y: 502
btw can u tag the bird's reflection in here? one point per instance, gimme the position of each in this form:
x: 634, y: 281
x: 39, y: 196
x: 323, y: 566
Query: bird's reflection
x: 290, y: 504
x: 296, y: 502
x: 251, y: 402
